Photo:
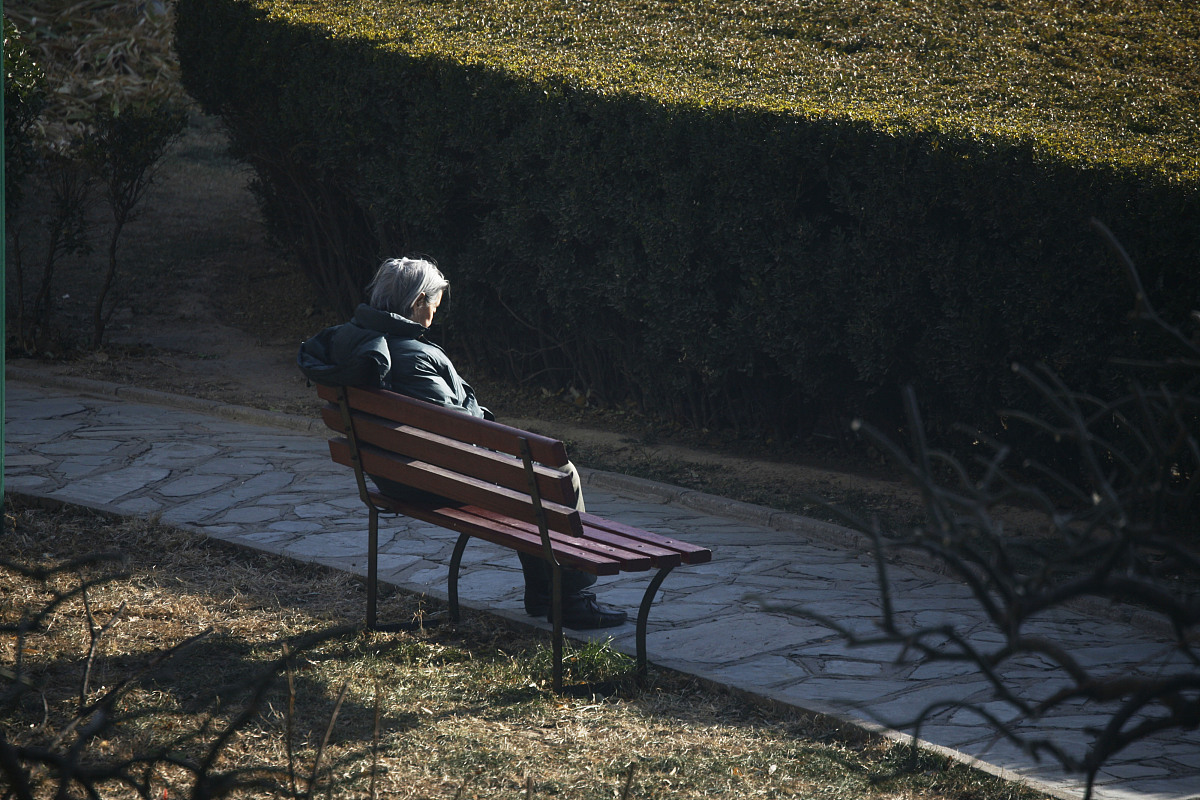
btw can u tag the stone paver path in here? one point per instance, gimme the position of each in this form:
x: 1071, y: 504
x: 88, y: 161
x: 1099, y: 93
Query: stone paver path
x: 273, y: 487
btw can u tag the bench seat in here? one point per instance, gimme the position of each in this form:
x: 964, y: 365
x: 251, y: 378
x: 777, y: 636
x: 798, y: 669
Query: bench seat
x: 487, y: 481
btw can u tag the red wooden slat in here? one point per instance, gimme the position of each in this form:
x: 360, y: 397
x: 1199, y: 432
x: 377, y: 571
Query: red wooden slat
x: 463, y: 519
x: 690, y: 553
x: 501, y: 468
x: 630, y: 558
x: 461, y: 488
x: 461, y: 426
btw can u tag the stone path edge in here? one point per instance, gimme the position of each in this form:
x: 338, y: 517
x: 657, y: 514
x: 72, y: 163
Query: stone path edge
x: 839, y: 536
x: 688, y: 498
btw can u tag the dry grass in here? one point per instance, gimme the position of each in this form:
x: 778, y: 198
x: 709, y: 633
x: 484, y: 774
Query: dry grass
x: 441, y: 712
x: 97, y: 53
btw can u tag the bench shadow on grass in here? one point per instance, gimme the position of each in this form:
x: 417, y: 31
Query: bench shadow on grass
x: 224, y: 681
x: 222, y: 678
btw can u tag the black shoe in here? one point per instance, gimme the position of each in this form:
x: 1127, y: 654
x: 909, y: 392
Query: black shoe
x: 581, y: 612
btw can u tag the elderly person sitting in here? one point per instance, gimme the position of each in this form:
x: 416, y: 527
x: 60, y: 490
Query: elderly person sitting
x: 404, y: 296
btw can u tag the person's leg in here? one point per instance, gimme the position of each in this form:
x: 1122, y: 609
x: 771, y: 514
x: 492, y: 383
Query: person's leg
x: 538, y: 575
x: 538, y: 580
x: 580, y: 609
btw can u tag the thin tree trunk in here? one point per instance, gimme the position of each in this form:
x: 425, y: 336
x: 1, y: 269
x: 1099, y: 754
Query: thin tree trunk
x: 99, y: 318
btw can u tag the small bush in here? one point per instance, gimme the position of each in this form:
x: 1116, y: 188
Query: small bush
x: 117, y: 104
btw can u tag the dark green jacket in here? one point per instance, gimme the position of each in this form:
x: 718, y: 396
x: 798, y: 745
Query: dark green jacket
x: 379, y: 349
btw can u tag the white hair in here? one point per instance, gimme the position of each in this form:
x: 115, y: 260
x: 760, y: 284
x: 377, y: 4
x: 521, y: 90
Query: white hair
x: 399, y: 283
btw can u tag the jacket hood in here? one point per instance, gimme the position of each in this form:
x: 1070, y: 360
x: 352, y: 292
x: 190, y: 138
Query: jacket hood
x: 345, y: 355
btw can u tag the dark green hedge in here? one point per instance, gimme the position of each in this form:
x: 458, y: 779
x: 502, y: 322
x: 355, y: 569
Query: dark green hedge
x: 723, y: 263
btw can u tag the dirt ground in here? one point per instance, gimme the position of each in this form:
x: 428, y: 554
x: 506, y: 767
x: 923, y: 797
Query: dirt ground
x: 208, y: 306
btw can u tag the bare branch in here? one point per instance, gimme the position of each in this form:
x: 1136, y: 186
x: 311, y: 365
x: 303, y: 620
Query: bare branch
x: 1120, y: 519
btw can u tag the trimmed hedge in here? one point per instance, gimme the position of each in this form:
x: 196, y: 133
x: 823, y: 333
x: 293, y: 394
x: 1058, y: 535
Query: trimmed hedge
x: 636, y: 198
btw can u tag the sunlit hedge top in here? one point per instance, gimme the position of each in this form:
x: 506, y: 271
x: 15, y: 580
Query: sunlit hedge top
x: 1111, y: 82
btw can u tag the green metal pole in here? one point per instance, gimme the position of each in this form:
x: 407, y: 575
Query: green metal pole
x: 3, y: 296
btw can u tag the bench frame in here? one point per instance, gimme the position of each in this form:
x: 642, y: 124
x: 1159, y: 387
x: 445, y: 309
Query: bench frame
x: 488, y: 510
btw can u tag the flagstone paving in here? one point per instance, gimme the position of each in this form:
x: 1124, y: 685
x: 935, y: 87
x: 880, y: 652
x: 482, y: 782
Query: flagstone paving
x: 266, y: 482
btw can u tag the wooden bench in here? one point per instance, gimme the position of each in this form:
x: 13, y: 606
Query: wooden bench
x: 499, y: 483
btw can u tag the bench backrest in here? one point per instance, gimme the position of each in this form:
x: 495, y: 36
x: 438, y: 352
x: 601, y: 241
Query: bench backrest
x: 465, y: 459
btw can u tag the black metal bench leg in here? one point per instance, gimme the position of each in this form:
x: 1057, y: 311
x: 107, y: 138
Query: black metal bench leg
x: 644, y: 615
x: 372, y: 565
x: 452, y: 581
x: 556, y: 617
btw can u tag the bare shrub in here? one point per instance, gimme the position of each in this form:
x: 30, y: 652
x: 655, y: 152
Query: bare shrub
x: 63, y: 757
x: 1119, y: 523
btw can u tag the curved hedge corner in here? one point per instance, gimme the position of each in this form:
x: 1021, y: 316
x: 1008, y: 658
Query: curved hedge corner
x: 669, y: 226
